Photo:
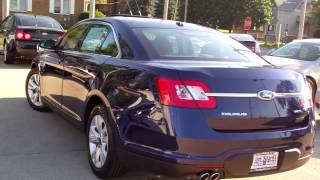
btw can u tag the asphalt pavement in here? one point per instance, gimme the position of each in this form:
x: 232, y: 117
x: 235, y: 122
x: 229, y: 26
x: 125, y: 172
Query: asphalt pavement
x: 44, y: 146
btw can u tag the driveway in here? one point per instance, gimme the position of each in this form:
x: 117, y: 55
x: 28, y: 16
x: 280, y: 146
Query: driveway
x: 43, y: 146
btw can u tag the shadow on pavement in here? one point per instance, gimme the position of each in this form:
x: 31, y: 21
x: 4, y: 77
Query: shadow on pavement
x: 44, y: 146
x: 19, y: 64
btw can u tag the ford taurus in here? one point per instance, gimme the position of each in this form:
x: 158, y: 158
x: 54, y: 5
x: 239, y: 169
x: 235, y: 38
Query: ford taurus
x: 174, y: 98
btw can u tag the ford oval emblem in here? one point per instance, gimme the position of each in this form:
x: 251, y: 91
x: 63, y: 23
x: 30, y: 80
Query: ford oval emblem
x: 266, y: 95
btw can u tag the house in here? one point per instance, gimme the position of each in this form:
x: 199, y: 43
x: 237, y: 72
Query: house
x: 65, y: 11
x: 286, y: 16
x: 109, y: 7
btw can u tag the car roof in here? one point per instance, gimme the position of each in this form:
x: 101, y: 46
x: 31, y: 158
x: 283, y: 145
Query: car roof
x: 242, y: 37
x: 145, y: 22
x: 308, y: 40
x: 33, y: 15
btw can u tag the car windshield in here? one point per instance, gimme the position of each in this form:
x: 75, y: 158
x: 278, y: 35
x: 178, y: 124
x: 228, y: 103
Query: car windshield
x: 39, y: 21
x: 304, y: 51
x: 194, y: 45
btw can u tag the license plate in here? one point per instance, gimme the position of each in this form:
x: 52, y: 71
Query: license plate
x: 264, y: 161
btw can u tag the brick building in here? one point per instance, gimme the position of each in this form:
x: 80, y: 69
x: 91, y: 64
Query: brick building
x: 65, y: 11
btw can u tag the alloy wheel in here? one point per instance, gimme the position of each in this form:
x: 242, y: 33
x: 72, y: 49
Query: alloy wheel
x: 98, y: 141
x: 34, y: 90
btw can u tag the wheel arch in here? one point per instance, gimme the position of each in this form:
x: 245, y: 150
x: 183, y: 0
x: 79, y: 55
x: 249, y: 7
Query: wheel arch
x: 313, y: 80
x: 33, y: 65
x: 94, y: 98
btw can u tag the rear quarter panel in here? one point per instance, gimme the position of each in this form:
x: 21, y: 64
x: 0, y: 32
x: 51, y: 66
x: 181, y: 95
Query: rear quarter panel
x: 130, y: 89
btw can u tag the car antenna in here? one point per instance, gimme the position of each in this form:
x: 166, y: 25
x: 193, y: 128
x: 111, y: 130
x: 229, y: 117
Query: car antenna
x: 179, y: 23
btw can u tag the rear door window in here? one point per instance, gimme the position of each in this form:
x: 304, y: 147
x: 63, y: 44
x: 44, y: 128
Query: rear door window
x: 94, y: 38
x: 72, y: 39
x: 9, y: 23
x: 109, y: 46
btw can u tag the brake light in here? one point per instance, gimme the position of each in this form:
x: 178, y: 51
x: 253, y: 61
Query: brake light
x: 306, y: 99
x: 21, y: 35
x: 187, y: 93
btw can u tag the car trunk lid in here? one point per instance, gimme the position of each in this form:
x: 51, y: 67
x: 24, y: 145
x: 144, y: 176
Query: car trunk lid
x: 236, y: 86
x: 40, y: 33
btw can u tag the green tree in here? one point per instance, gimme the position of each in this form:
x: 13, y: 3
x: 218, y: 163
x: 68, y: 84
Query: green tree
x: 228, y: 13
x: 159, y: 5
x: 316, y: 18
x: 145, y: 7
x: 260, y: 11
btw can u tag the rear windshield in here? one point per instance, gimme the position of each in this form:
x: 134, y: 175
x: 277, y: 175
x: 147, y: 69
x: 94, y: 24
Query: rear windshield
x: 193, y: 45
x: 38, y: 21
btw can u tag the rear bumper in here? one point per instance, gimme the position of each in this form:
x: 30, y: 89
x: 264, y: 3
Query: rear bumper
x: 235, y: 166
x: 26, y: 49
x: 234, y: 162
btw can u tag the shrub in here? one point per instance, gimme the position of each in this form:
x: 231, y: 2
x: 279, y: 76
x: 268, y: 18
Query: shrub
x: 85, y: 15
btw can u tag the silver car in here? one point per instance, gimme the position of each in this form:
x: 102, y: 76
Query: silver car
x: 302, y: 56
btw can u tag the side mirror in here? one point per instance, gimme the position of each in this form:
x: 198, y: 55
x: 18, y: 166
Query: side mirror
x: 48, y: 44
x: 271, y: 51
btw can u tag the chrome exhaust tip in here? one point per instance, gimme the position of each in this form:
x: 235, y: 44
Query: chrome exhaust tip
x: 205, y: 176
x: 216, y: 176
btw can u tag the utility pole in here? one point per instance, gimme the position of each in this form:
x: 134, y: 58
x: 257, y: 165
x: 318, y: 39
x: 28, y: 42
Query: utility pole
x: 185, y: 10
x: 165, y: 9
x: 92, y: 8
x: 5, y: 8
x: 302, y: 19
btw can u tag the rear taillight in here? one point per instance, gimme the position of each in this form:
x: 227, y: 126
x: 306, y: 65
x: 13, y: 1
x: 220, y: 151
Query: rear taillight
x: 306, y: 99
x: 187, y: 93
x: 21, y: 35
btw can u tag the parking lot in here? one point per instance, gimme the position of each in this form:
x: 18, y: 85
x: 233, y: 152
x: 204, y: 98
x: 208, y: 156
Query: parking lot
x: 43, y: 146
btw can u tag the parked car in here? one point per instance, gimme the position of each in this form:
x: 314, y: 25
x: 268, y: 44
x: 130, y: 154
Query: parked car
x: 247, y: 40
x: 21, y: 33
x: 147, y: 99
x: 302, y: 56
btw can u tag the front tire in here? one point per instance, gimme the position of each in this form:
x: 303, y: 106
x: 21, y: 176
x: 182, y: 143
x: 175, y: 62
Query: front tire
x: 102, y: 154
x: 8, y: 56
x: 33, y: 91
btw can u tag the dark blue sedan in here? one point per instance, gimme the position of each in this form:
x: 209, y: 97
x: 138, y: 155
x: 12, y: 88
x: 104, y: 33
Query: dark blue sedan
x: 174, y: 98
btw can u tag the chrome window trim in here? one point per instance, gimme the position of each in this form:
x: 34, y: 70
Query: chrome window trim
x: 119, y: 55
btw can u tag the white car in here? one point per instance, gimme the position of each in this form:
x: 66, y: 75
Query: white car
x: 302, y: 56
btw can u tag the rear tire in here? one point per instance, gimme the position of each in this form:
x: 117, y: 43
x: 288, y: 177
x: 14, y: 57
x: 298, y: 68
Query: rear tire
x: 8, y: 55
x: 101, y: 145
x: 33, y: 91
